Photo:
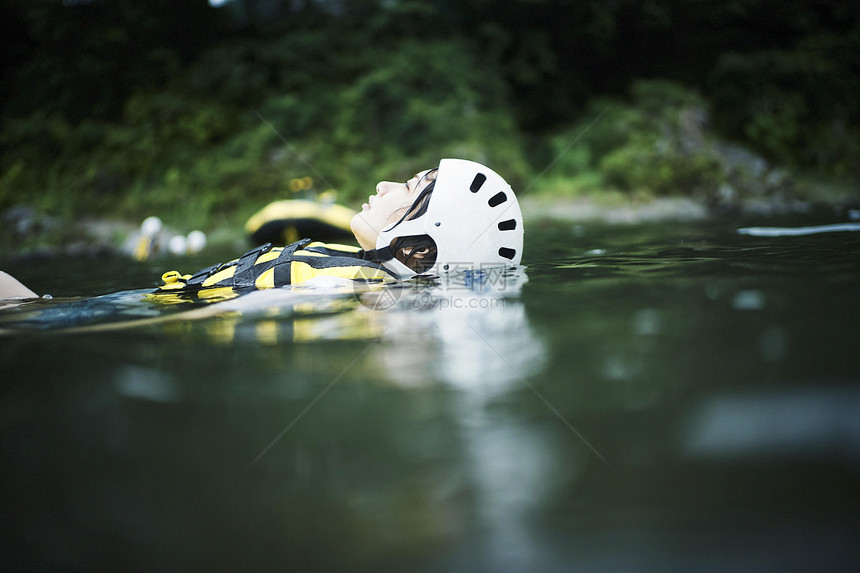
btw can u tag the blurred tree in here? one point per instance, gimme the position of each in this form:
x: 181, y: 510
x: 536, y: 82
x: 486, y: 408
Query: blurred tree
x: 84, y: 58
x: 102, y: 96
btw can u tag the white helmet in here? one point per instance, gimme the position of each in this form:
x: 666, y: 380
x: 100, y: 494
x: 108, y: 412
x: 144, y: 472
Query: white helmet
x: 473, y: 217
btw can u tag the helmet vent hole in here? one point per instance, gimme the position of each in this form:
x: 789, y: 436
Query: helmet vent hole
x: 497, y: 199
x: 508, y: 225
x: 507, y: 253
x: 477, y: 182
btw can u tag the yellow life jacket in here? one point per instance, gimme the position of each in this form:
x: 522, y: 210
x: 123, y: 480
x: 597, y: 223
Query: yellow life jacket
x: 271, y: 267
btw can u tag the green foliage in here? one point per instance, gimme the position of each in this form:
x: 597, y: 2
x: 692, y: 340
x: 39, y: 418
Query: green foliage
x: 799, y: 105
x: 197, y: 151
x: 83, y: 59
x: 662, y: 170
x: 126, y: 108
x: 655, y: 144
x: 666, y: 150
x: 422, y: 101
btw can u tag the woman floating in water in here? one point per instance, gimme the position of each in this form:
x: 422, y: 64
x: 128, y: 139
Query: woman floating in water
x: 459, y: 216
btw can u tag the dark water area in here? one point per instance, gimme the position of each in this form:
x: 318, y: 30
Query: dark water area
x: 656, y: 397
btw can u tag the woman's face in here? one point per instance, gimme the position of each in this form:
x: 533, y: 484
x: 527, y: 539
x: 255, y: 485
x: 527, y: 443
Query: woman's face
x: 387, y: 206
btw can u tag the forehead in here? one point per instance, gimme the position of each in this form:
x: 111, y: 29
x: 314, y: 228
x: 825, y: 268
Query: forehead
x: 427, y: 174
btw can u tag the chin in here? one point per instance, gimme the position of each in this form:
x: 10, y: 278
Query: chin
x: 357, y: 225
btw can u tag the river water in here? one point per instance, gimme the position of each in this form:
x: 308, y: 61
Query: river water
x: 654, y: 397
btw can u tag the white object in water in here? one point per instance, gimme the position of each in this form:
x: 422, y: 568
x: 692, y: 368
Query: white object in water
x: 177, y: 245
x: 196, y: 241
x: 798, y: 231
x: 151, y: 226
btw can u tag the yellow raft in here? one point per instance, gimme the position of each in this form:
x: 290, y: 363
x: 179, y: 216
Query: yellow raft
x: 285, y: 222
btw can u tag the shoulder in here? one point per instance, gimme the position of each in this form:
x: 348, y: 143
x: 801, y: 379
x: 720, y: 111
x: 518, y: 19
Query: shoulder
x: 328, y: 259
x: 330, y: 249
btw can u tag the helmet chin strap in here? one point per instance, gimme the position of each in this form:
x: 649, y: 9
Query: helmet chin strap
x: 379, y: 255
x: 386, y: 258
x: 385, y: 255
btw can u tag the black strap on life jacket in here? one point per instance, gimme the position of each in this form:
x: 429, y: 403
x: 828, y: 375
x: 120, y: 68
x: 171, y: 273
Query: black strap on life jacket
x: 377, y: 255
x: 203, y: 274
x: 247, y: 271
x: 244, y: 273
x: 338, y: 261
x: 282, y: 263
x: 200, y: 276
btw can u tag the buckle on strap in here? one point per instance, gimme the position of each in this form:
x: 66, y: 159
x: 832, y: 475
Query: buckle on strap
x: 244, y: 274
x: 288, y: 251
x: 203, y: 274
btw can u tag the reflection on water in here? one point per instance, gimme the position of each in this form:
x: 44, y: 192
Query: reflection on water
x: 474, y: 337
x: 146, y: 384
x: 806, y: 424
x: 442, y: 426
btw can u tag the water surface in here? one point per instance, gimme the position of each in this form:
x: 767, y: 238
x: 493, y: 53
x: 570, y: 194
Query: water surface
x: 661, y: 397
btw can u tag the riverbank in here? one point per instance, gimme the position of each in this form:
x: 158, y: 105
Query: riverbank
x: 679, y: 209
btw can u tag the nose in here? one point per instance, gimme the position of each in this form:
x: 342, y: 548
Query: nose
x: 384, y: 187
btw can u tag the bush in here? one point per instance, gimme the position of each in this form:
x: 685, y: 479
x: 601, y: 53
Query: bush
x: 656, y: 143
x: 798, y: 106
x: 422, y: 101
